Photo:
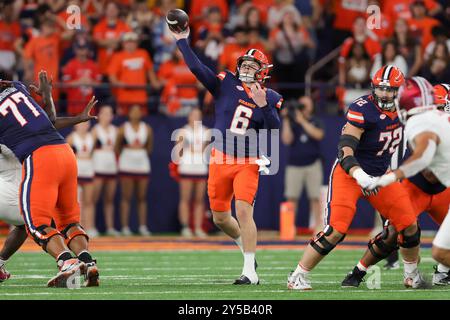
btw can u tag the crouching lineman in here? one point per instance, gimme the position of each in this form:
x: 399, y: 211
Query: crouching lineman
x: 368, y: 140
x: 29, y: 132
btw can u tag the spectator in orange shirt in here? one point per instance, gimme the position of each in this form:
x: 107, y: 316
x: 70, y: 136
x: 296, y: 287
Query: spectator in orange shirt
x: 9, y: 33
x: 180, y: 85
x: 107, y: 34
x: 385, y: 29
x: 345, y: 13
x: 360, y: 35
x: 233, y: 50
x: 421, y: 24
x: 401, y: 9
x: 42, y: 53
x: 131, y: 67
x: 82, y: 73
x: 199, y: 10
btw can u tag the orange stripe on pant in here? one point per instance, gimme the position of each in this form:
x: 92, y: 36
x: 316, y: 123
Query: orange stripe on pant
x: 392, y: 202
x: 49, y: 188
x: 228, y: 178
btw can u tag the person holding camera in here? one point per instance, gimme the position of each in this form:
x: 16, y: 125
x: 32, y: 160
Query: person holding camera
x: 302, y: 132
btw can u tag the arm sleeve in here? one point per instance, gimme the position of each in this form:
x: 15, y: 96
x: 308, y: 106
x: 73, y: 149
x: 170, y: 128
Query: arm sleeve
x: 205, y: 75
x: 271, y: 118
x: 355, y: 116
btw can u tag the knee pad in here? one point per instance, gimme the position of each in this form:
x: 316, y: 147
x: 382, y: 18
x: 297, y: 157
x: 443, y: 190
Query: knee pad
x: 409, y: 241
x: 385, y: 242
x: 42, y: 237
x: 78, y: 231
x: 326, y: 245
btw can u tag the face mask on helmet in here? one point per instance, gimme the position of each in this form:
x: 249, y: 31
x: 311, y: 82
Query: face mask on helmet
x: 259, y: 72
x: 385, y: 96
x: 247, y: 71
x: 442, y: 96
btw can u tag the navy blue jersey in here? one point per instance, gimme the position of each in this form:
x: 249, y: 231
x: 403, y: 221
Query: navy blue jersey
x: 237, y: 117
x: 24, y: 125
x: 382, y: 134
x: 304, y: 150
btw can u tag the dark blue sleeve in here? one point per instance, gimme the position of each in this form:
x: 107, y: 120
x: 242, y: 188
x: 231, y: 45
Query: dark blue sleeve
x: 205, y: 75
x: 271, y: 118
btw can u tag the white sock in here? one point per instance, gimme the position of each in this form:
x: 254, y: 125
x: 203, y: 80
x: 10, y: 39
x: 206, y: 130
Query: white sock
x: 440, y: 268
x: 2, y: 262
x: 238, y: 241
x: 410, y: 267
x: 301, y: 269
x: 249, y: 263
x: 361, y: 267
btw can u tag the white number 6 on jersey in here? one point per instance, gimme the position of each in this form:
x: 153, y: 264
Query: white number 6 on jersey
x: 241, y: 119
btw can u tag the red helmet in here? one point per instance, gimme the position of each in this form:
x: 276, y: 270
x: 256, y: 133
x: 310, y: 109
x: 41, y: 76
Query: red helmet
x: 417, y: 94
x: 442, y: 96
x: 387, y: 78
x: 257, y: 56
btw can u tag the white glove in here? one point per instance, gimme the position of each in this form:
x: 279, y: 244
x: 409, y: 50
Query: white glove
x: 363, y: 179
x: 262, y: 163
x: 383, y: 181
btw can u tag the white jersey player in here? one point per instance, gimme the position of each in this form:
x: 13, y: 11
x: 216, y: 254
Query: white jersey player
x: 428, y: 133
x: 10, y: 177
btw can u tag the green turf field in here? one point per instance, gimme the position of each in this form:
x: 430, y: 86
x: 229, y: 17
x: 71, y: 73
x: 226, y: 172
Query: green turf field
x: 205, y: 275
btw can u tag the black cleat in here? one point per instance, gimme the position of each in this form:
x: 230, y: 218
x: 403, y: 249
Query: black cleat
x: 243, y: 280
x: 256, y: 265
x: 353, y: 279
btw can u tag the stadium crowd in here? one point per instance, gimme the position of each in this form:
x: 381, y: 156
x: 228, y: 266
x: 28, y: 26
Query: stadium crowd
x: 123, y: 53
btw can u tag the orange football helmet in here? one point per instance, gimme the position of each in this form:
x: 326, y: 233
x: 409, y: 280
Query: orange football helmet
x: 262, y: 74
x: 389, y: 79
x: 442, y: 96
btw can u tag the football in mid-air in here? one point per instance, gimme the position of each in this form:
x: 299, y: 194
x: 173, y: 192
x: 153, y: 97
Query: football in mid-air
x: 177, y: 20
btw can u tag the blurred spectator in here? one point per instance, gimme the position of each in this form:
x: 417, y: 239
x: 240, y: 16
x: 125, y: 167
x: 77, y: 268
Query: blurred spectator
x: 345, y: 15
x: 163, y: 42
x: 278, y: 10
x: 107, y: 34
x: 42, y: 53
x: 180, y: 85
x: 134, y: 144
x: 131, y: 67
x: 420, y: 23
x: 289, y: 41
x: 198, y: 11
x: 105, y: 165
x: 82, y: 142
x: 81, y: 73
x: 358, y: 66
x: 9, y: 33
x: 440, y: 34
x: 437, y: 67
x: 371, y: 46
x: 211, y: 37
x: 193, y: 172
x: 302, y: 133
x: 237, y: 18
x: 234, y: 49
x: 386, y: 27
x: 390, y: 56
x: 401, y: 9
x: 408, y: 46
x: 141, y: 20
x: 253, y: 21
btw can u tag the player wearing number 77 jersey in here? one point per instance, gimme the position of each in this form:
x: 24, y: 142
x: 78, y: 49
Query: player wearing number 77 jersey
x: 241, y: 104
x: 48, y: 190
x: 365, y: 148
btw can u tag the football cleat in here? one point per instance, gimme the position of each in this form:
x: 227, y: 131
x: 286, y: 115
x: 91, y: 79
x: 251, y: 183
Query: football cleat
x: 298, y: 282
x: 392, y: 265
x: 243, y: 280
x: 441, y: 278
x: 4, y: 274
x: 91, y: 276
x: 353, y: 278
x: 67, y: 270
x: 415, y: 280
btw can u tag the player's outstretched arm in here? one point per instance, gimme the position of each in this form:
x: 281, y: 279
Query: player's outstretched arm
x: 425, y: 148
x: 205, y: 75
x: 45, y: 91
x: 85, y: 115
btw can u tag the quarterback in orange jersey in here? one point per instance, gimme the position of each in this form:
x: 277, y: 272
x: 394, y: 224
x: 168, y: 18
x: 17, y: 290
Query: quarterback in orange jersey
x: 368, y: 140
x: 48, y: 190
x: 243, y: 106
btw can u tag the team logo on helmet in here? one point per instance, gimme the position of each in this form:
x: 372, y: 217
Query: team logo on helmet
x: 442, y: 96
x: 388, y: 78
x: 261, y: 74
